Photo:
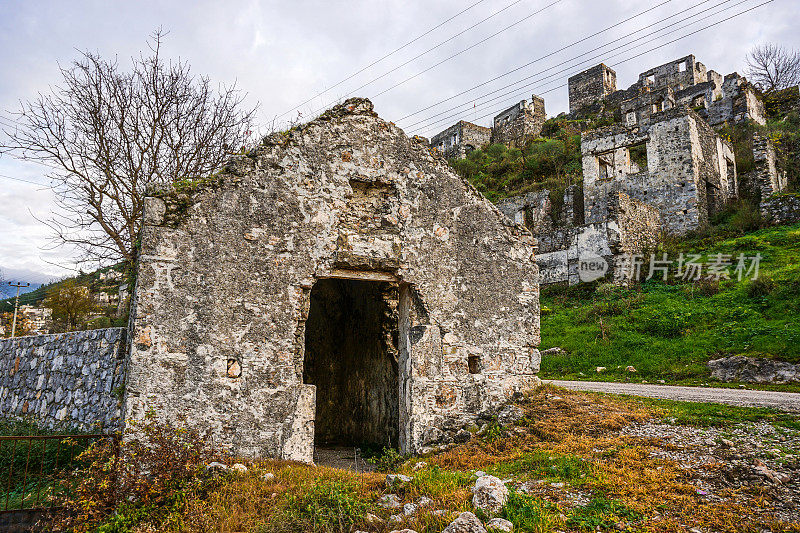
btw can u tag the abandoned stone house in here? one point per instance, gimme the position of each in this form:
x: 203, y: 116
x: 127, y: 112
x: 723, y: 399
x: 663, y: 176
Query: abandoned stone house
x: 460, y: 139
x: 338, y: 286
x: 514, y: 126
x: 637, y: 183
x: 520, y: 123
x: 678, y: 165
x: 684, y: 81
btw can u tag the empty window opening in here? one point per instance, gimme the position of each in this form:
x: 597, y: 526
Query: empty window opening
x: 351, y: 358
x: 682, y: 67
x: 651, y: 79
x: 712, y: 198
x: 606, y: 167
x: 730, y: 167
x: 638, y: 157
x: 474, y: 363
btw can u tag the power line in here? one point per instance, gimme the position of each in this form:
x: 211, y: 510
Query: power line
x: 546, y: 56
x: 25, y: 181
x: 426, y: 52
x: 585, y: 61
x: 465, y: 50
x: 659, y: 46
x: 537, y: 83
x: 412, y: 41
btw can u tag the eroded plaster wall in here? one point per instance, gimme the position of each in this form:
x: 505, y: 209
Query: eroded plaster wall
x: 226, y: 272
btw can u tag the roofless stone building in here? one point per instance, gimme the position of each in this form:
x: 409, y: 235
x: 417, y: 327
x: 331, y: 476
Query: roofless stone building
x: 340, y: 285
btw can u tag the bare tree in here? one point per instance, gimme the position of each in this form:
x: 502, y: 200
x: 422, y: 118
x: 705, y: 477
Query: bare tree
x: 772, y: 67
x: 109, y: 135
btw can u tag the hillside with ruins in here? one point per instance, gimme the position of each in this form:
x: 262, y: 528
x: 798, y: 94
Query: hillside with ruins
x: 482, y: 267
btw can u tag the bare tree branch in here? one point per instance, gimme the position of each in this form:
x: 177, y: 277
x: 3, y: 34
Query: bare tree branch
x: 109, y: 135
x: 772, y: 67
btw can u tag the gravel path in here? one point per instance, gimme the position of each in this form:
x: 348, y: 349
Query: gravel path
x: 785, y: 401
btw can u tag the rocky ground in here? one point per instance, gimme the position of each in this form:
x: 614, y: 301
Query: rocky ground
x: 752, y: 457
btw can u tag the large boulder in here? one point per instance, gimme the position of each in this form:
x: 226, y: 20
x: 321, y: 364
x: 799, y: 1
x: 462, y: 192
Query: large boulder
x: 489, y: 494
x: 753, y: 370
x: 465, y: 523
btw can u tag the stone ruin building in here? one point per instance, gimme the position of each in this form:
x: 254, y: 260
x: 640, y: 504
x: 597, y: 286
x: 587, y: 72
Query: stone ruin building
x: 460, y: 139
x: 514, y: 126
x: 660, y: 168
x: 340, y: 286
x: 520, y: 123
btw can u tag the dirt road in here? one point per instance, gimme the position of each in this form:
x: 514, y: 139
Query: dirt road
x: 785, y: 401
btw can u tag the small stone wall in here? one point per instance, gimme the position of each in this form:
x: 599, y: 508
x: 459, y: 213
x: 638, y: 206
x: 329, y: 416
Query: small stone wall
x: 781, y: 209
x: 69, y: 380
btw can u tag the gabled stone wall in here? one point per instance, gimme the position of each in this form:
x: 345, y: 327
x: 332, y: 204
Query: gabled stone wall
x: 227, y: 272
x: 64, y: 381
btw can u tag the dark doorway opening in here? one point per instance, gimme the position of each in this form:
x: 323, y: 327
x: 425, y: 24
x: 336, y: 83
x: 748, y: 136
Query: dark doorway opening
x: 351, y: 357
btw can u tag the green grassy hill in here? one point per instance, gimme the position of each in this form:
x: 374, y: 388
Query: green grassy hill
x: 670, y: 330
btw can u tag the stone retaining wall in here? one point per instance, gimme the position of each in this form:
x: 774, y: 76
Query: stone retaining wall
x: 69, y: 380
x: 781, y: 209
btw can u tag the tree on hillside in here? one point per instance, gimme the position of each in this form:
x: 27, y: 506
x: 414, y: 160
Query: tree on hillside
x: 24, y: 325
x: 108, y: 135
x: 772, y: 67
x: 71, y: 305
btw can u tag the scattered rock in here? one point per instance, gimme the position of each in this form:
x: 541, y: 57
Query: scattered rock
x: 509, y: 415
x: 462, y: 436
x: 239, y: 468
x: 269, y: 476
x: 216, y: 467
x: 552, y: 351
x: 425, y: 502
x: 409, y: 509
x: 600, y: 369
x: 440, y: 513
x: 390, y: 501
x: 395, y: 518
x: 373, y: 521
x: 630, y: 368
x: 396, y: 480
x: 480, y: 473
x: 489, y: 494
x: 753, y: 370
x: 403, y: 531
x: 500, y: 524
x: 465, y: 523
x: 419, y: 465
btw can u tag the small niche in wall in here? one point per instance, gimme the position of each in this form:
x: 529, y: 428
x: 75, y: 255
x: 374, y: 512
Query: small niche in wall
x: 234, y: 368
x: 474, y: 364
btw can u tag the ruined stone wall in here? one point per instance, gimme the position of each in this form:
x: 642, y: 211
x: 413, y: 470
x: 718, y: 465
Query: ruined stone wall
x: 765, y: 179
x: 676, y: 75
x: 639, y: 225
x: 460, y: 139
x: 590, y: 86
x: 226, y: 272
x: 65, y: 381
x: 520, y: 123
x: 683, y: 155
x: 781, y: 209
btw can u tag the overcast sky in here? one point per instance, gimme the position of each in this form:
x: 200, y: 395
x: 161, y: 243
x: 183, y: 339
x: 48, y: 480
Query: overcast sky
x: 283, y: 53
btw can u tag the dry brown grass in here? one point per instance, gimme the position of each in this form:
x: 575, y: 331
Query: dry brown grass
x: 558, y: 423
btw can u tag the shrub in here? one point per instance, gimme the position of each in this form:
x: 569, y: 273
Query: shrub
x: 146, y: 477
x: 529, y: 514
x: 321, y: 505
x: 388, y: 460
